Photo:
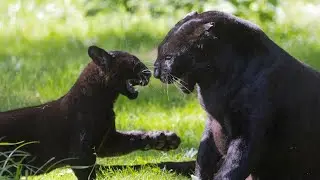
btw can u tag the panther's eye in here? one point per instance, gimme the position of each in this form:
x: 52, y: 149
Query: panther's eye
x: 167, y: 58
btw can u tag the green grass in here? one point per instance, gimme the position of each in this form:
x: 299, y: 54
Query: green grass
x: 43, y: 52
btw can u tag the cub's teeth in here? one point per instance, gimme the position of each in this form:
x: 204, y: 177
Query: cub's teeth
x: 130, y: 87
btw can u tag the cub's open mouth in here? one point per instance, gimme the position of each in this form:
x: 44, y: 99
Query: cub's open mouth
x: 133, y: 82
x: 130, y: 83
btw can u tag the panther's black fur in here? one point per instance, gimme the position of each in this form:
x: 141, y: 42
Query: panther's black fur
x: 263, y: 105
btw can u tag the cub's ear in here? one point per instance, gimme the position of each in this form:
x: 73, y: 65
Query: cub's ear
x: 100, y: 57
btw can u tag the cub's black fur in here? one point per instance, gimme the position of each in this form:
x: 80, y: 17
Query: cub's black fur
x: 263, y: 105
x: 73, y: 128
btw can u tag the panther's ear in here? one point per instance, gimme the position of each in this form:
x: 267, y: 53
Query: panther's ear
x: 204, y: 29
x: 208, y: 26
x: 100, y: 57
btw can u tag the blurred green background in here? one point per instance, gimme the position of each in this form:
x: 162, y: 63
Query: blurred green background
x: 43, y: 48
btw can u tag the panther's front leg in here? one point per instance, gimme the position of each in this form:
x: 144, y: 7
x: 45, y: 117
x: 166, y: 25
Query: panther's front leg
x: 208, y: 155
x: 244, y: 150
x: 120, y: 143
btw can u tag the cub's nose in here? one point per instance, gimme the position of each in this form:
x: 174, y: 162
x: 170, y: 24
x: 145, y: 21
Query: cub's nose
x: 146, y: 73
x: 145, y: 77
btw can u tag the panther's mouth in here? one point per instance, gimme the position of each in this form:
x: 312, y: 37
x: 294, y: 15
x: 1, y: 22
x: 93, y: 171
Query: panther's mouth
x: 186, y: 83
x: 184, y: 80
x: 168, y: 79
x: 132, y: 92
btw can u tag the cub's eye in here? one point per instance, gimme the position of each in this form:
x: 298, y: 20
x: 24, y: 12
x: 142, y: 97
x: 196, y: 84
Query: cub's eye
x: 167, y: 58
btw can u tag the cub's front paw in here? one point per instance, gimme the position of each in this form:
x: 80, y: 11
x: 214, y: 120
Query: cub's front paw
x: 163, y: 140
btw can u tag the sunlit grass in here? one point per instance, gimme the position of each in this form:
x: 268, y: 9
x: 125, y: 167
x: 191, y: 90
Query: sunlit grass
x: 43, y: 50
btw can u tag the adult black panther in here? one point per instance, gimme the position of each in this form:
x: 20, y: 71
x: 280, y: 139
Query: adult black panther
x: 263, y: 105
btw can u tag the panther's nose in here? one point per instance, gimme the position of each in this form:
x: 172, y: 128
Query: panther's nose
x: 156, y: 73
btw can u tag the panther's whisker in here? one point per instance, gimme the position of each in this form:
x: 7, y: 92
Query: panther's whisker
x: 163, y: 87
x: 148, y: 62
x: 153, y: 87
x: 177, y: 86
x: 175, y: 82
x: 149, y: 66
x: 175, y: 79
x: 178, y: 78
x: 183, y: 86
x: 167, y: 87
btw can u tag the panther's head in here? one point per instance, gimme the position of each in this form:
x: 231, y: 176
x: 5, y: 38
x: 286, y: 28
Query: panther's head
x: 125, y: 70
x: 202, y: 42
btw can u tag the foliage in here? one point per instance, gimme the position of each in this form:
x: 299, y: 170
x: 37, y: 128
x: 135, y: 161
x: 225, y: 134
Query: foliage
x: 13, y: 160
x: 263, y: 10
